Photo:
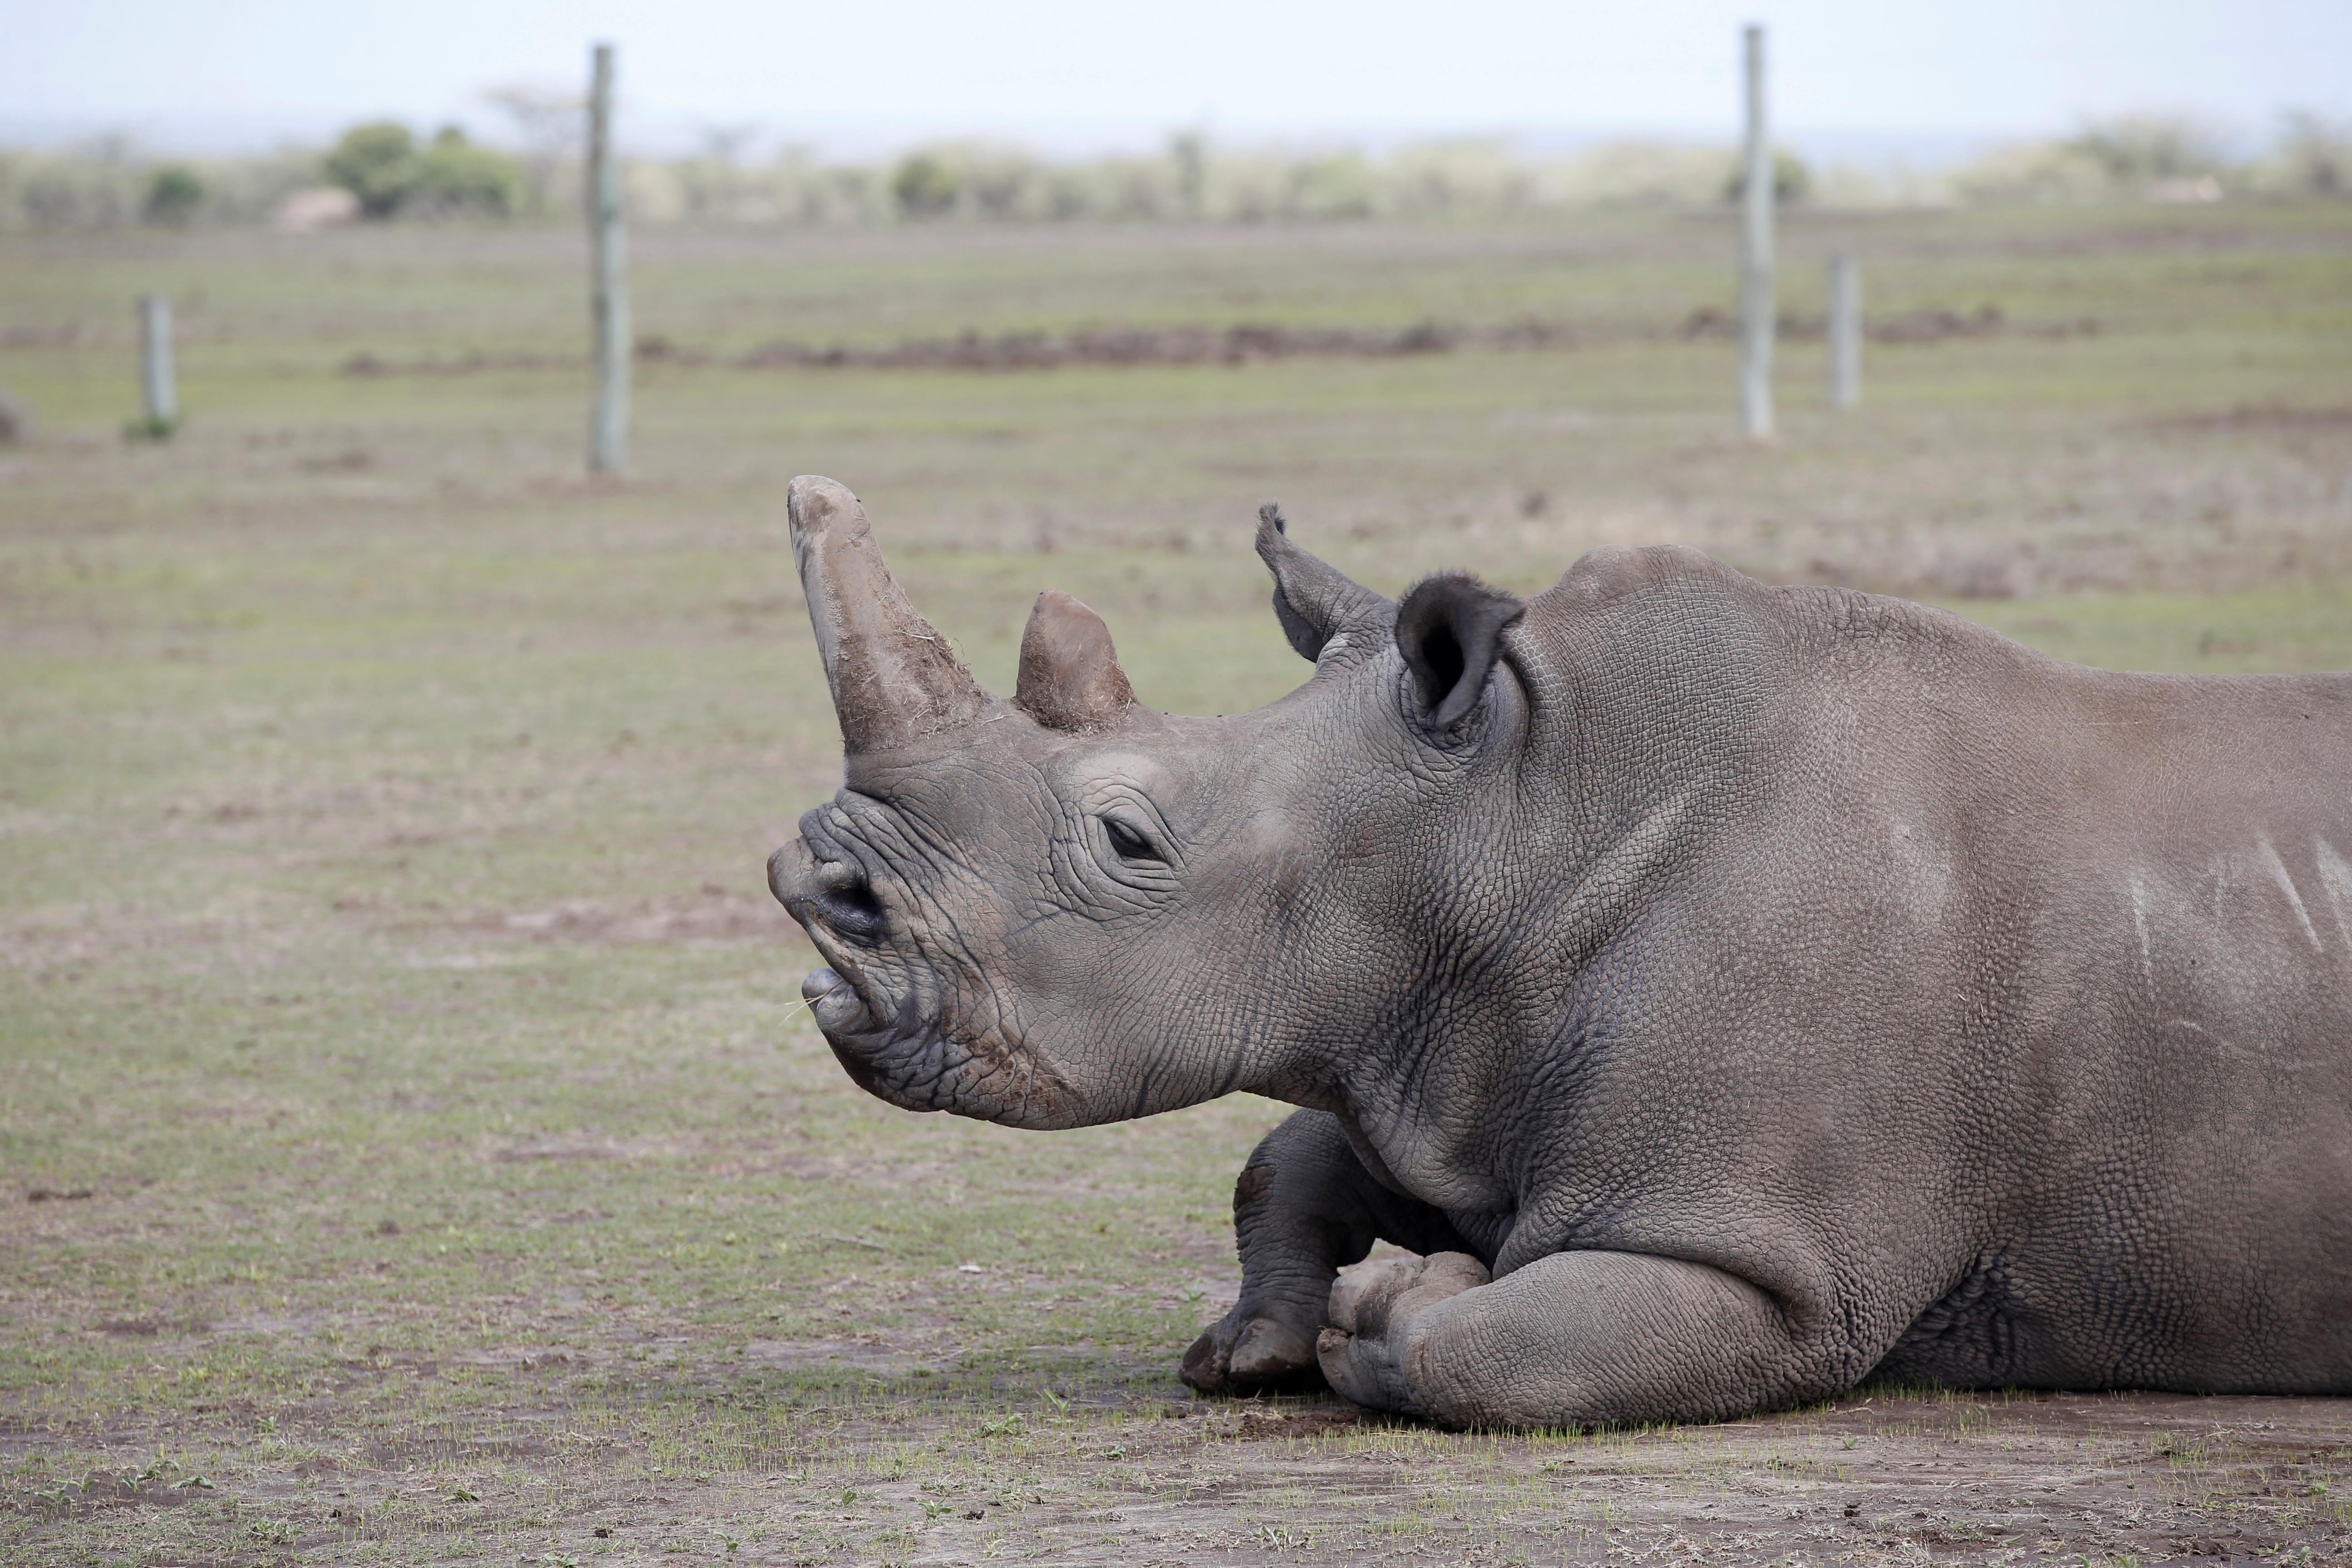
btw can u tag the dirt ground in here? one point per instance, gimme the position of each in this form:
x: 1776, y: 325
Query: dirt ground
x: 1884, y: 1476
x: 413, y: 1146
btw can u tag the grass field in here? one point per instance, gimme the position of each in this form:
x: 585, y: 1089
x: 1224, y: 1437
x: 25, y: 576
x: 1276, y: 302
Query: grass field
x: 413, y: 1150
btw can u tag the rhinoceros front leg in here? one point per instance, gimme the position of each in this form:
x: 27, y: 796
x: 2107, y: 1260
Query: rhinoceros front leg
x: 1575, y: 1339
x: 1303, y: 1207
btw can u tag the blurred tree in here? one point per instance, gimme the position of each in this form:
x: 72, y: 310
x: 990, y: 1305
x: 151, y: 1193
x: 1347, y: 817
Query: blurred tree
x: 2136, y: 149
x: 923, y: 186
x: 456, y: 176
x: 380, y: 163
x: 715, y: 186
x: 1338, y: 185
x: 550, y: 124
x: 376, y: 163
x: 174, y: 196
x: 2317, y: 155
x: 1792, y: 181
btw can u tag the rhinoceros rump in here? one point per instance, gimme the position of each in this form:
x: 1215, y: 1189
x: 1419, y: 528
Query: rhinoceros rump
x: 1728, y: 991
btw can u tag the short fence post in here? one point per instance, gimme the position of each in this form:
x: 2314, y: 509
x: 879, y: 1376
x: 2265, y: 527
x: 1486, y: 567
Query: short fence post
x: 1845, y: 332
x: 608, y: 431
x: 155, y: 377
x: 1755, y: 302
x: 1191, y: 152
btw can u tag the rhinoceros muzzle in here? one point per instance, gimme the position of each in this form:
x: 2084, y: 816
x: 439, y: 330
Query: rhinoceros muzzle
x: 889, y: 1044
x: 835, y: 905
x: 894, y: 1051
x: 898, y: 1054
x: 901, y: 1058
x: 834, y: 1003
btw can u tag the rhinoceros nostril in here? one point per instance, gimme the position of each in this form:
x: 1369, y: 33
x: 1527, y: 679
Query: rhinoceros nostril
x: 846, y: 901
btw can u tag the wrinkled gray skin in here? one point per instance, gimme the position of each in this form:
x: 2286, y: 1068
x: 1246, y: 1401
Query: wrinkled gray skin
x: 1750, y: 988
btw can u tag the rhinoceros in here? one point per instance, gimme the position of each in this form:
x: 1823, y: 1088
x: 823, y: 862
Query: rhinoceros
x: 1721, y: 993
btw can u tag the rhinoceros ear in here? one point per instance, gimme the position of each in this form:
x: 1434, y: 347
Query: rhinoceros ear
x: 1315, y: 605
x: 1449, y: 629
x: 1070, y: 677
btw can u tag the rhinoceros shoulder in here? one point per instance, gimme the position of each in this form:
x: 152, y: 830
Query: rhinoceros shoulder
x: 1611, y: 573
x: 1660, y: 585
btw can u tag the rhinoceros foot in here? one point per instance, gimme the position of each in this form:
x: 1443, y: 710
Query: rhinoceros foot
x: 1247, y: 1353
x: 1365, y: 1351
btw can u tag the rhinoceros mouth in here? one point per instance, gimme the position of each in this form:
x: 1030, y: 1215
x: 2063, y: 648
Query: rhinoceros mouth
x: 896, y: 1055
x: 889, y: 1021
x: 915, y: 1062
x: 834, y: 1003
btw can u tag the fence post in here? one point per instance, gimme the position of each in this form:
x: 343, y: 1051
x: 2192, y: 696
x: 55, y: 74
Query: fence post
x: 608, y: 432
x: 1756, y: 301
x: 156, y: 381
x: 1191, y: 152
x: 1845, y: 332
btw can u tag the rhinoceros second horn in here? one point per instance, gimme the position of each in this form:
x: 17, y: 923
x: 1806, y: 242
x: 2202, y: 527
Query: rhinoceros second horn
x: 1070, y: 677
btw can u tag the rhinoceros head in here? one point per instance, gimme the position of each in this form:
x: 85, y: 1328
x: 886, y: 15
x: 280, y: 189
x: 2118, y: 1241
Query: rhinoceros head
x: 1069, y: 908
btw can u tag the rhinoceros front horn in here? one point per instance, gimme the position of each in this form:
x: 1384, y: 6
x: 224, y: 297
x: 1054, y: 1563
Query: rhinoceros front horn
x: 894, y: 679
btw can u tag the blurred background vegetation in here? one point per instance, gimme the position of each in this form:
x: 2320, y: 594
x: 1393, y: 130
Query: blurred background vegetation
x: 384, y: 170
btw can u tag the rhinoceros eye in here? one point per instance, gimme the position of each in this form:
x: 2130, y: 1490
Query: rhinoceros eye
x: 1129, y: 844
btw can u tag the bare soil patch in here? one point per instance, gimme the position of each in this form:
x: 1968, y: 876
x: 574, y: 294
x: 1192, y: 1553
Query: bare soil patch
x: 2259, y: 417
x: 1238, y: 343
x: 1133, y: 1475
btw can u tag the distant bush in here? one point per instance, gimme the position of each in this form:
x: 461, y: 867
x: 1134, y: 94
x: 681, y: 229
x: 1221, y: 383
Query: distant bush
x: 92, y: 186
x: 456, y: 176
x: 991, y: 179
x: 1792, y: 180
x: 999, y: 182
x: 1632, y: 174
x: 380, y: 164
x: 106, y: 185
x: 1339, y: 186
x: 2314, y: 157
x: 1445, y: 176
x: 2136, y: 157
x: 175, y: 196
x: 377, y: 163
x: 390, y: 171
x: 923, y: 186
x: 2143, y: 149
x: 2034, y: 172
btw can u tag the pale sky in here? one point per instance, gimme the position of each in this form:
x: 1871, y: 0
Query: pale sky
x: 851, y: 74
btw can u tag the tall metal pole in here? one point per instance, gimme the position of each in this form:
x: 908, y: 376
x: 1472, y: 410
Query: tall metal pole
x: 155, y: 377
x: 1845, y: 332
x: 1755, y: 302
x: 608, y: 432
